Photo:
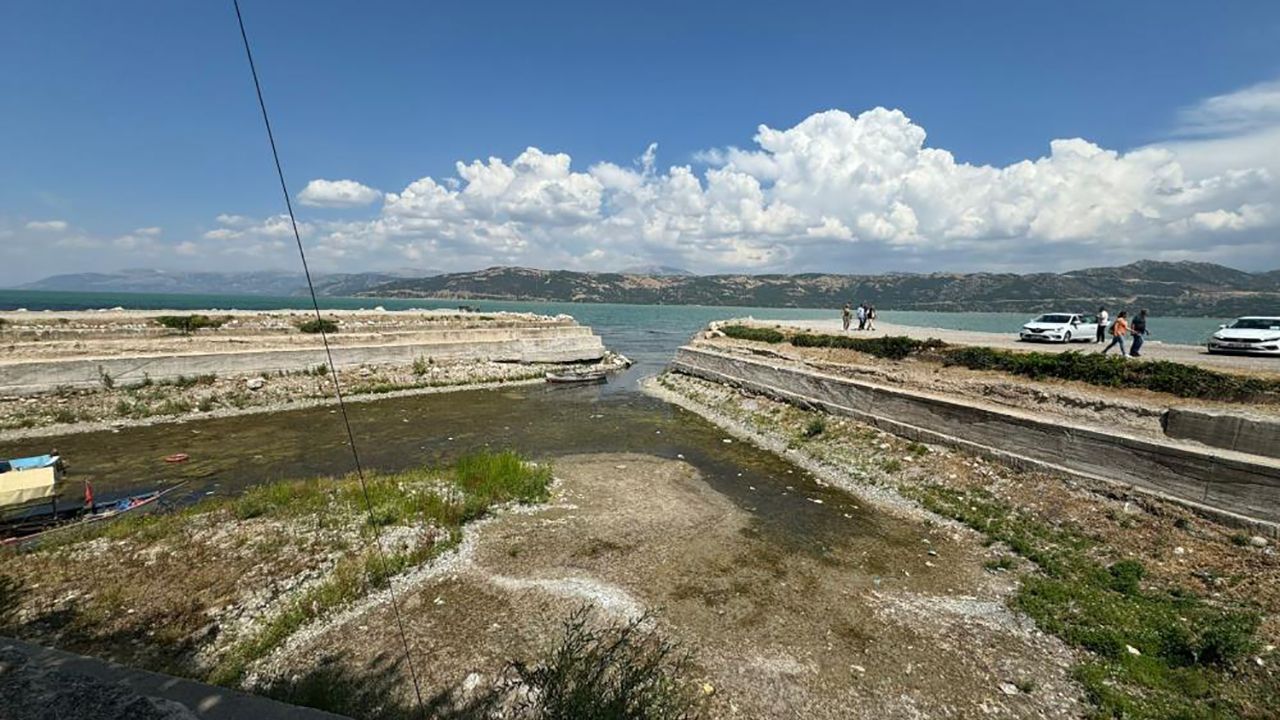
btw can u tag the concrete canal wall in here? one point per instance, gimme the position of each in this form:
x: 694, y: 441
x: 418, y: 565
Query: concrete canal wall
x: 1236, y: 487
x: 547, y: 344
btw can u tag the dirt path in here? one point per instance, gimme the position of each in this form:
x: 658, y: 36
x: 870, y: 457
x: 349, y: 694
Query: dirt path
x: 892, y: 620
x: 1153, y: 349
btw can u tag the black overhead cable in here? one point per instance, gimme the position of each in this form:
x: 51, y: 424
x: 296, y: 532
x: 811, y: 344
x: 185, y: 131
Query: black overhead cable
x: 333, y: 369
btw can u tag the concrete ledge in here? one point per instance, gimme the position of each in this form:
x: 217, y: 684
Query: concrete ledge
x: 530, y: 345
x: 1233, y: 487
x: 1256, y: 436
x: 52, y: 673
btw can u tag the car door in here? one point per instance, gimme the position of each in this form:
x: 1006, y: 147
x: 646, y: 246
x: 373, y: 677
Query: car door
x: 1076, y: 327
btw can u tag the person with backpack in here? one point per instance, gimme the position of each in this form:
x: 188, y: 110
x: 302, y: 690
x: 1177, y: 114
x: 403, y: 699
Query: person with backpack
x: 1102, y: 324
x: 1119, y: 329
x: 1138, y: 330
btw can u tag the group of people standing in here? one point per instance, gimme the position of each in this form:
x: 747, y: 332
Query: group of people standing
x: 1120, y: 329
x: 865, y: 313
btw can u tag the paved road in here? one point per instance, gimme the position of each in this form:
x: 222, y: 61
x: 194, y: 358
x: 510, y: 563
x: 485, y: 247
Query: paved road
x: 1152, y: 350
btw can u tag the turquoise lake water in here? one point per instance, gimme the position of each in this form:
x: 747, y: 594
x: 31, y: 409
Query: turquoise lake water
x: 648, y: 334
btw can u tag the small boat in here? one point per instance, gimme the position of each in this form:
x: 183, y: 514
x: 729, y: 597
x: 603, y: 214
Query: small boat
x: 33, y: 530
x: 581, y: 376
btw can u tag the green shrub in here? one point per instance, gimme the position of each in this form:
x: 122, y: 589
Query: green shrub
x: 890, y: 347
x: 187, y: 324
x: 421, y: 365
x: 758, y: 334
x: 320, y: 325
x: 816, y: 427
x: 1178, y: 379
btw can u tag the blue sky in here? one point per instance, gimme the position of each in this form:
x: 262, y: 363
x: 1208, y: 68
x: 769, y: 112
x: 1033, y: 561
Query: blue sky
x: 130, y: 127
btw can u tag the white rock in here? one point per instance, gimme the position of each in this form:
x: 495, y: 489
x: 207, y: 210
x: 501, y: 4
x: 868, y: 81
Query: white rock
x: 255, y: 383
x: 1133, y: 650
x: 1008, y: 688
x: 1258, y: 541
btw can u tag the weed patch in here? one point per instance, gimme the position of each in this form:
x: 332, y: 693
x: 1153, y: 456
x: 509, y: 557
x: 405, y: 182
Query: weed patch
x: 319, y: 325
x: 1188, y: 381
x: 890, y: 347
x: 758, y: 334
x: 1157, y: 652
x: 187, y: 324
x: 620, y: 672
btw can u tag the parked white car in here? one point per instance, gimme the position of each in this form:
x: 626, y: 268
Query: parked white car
x: 1254, y: 334
x: 1060, y: 327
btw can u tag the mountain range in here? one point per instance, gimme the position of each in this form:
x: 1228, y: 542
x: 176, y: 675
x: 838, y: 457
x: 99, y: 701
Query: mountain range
x: 1166, y: 288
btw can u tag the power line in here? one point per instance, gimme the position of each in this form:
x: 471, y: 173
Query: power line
x: 333, y: 368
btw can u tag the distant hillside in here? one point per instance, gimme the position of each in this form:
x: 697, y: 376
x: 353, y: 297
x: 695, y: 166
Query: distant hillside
x: 267, y: 282
x: 1181, y: 288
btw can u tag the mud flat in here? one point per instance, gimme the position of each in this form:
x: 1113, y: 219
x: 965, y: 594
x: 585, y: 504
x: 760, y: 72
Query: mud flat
x: 76, y: 371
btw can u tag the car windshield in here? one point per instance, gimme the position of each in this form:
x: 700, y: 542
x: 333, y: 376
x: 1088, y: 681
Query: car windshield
x: 1256, y: 324
x: 1056, y: 319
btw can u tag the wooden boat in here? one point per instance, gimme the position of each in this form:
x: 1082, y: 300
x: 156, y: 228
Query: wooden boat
x: 32, y: 530
x: 581, y: 376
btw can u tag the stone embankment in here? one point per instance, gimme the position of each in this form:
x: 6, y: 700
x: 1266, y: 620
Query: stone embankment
x: 96, y: 369
x: 1218, y: 462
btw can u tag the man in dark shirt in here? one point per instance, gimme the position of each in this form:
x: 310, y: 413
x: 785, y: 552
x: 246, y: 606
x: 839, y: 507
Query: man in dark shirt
x: 1139, y: 331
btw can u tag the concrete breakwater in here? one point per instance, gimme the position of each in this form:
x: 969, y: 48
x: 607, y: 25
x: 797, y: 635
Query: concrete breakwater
x: 79, y: 352
x: 1233, y: 486
x: 86, y: 371
x: 553, y: 344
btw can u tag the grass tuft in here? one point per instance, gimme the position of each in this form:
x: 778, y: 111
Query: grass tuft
x: 617, y: 672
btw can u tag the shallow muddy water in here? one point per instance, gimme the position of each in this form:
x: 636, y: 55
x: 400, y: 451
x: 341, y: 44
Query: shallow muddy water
x: 543, y: 422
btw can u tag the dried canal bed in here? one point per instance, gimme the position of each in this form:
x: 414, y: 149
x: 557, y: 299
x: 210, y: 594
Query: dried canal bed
x: 885, y: 620
x: 791, y: 594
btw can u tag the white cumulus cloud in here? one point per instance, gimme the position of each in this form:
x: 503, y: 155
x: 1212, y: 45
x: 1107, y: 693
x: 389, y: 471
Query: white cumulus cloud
x: 837, y: 191
x: 47, y: 225
x: 337, y: 194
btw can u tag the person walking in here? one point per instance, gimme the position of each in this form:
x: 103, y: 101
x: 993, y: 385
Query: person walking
x: 1138, y: 330
x: 846, y: 316
x: 1119, y: 329
x: 862, y: 316
x: 1103, y: 318
x: 871, y: 317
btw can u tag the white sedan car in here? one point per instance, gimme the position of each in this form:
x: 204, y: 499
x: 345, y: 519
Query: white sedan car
x: 1060, y: 327
x: 1253, y: 334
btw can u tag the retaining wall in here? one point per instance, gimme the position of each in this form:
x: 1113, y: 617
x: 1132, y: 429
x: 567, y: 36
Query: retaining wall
x: 565, y: 343
x: 1254, y: 435
x: 1232, y: 486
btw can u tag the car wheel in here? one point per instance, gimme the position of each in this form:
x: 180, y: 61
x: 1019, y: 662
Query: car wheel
x: 1067, y: 337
